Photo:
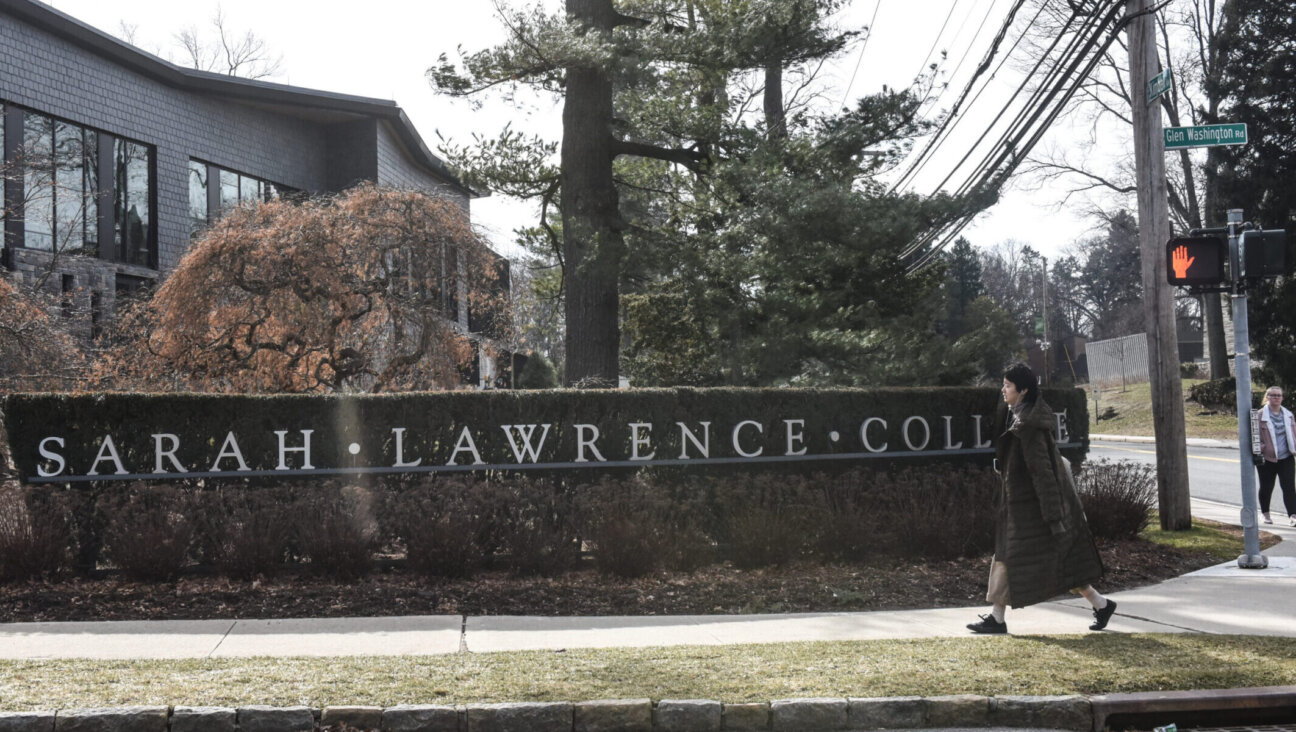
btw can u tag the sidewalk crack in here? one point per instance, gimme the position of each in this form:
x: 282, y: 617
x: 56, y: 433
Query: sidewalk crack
x: 222, y: 639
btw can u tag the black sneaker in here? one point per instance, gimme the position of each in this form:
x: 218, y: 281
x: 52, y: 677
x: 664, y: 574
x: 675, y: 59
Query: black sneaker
x: 1102, y: 616
x: 988, y: 625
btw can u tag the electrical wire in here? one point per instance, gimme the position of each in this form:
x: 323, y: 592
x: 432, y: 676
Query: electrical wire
x: 863, y: 46
x: 1027, y: 128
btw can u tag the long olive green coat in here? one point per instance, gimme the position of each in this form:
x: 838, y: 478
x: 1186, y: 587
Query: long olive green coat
x: 1041, y: 532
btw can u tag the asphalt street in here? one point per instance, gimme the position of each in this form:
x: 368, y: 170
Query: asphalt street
x: 1213, y: 473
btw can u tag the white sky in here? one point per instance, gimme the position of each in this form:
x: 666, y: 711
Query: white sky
x: 381, y: 49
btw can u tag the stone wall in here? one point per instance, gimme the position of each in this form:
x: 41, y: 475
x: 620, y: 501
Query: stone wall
x: 620, y: 715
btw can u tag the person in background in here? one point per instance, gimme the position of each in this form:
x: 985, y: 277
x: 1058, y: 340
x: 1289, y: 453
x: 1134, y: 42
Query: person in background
x: 1277, y: 447
x: 1043, y: 546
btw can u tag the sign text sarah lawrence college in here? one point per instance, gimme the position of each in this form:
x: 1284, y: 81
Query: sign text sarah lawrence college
x: 351, y: 439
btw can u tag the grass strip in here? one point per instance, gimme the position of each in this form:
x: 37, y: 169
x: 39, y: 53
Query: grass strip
x: 1033, y: 665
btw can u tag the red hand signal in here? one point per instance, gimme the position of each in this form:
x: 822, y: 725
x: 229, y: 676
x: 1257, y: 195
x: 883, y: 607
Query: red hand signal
x: 1180, y: 261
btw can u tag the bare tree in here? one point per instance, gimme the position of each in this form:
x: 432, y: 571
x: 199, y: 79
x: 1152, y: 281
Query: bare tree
x: 1187, y: 33
x: 223, y: 50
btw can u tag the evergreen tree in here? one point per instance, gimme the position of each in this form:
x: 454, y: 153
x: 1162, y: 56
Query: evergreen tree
x: 761, y: 238
x: 1258, y: 83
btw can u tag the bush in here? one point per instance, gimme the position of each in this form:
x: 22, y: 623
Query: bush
x: 538, y: 373
x: 35, y: 537
x: 440, y: 522
x: 771, y: 520
x: 1117, y: 497
x: 148, y: 531
x: 250, y: 532
x: 534, y: 526
x: 937, y: 515
x: 335, y: 530
x: 1221, y: 394
x: 1190, y: 370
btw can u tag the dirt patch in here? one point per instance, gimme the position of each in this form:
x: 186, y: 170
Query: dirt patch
x: 798, y: 587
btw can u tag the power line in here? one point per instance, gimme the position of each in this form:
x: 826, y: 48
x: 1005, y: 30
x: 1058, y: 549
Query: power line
x: 939, y: 33
x: 863, y: 46
x: 942, y: 132
x: 1029, y: 125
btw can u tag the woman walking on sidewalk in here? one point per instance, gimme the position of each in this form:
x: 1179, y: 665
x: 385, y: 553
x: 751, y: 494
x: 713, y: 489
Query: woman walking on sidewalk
x: 1043, y: 546
x: 1277, y: 446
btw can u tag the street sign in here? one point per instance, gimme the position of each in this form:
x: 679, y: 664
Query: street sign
x: 1158, y: 85
x: 1196, y: 260
x: 1205, y: 136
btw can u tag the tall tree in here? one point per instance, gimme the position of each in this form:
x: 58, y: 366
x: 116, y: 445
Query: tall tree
x: 962, y: 283
x: 670, y: 184
x: 1258, y: 84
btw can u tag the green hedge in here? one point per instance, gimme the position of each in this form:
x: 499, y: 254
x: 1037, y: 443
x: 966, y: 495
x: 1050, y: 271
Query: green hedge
x: 452, y: 430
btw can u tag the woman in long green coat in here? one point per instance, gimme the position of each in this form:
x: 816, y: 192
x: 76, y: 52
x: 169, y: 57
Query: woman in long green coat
x: 1043, y: 546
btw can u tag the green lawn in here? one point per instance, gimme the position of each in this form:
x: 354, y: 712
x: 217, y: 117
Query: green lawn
x: 1133, y: 406
x: 1033, y: 665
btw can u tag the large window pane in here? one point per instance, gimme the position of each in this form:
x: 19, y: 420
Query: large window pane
x: 132, y: 223
x: 229, y: 190
x: 90, y: 195
x: 69, y: 191
x: 197, y: 196
x: 38, y: 182
x: 249, y: 188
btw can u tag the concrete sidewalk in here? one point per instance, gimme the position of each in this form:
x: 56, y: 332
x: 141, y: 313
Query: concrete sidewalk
x: 1221, y: 599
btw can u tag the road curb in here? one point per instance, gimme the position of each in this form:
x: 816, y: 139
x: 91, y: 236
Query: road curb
x: 824, y: 714
x: 1191, y: 441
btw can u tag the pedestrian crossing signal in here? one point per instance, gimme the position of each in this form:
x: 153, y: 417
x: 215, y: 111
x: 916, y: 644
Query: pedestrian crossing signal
x: 1196, y: 261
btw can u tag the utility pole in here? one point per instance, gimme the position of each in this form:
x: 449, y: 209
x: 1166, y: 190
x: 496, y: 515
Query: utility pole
x: 1044, y: 308
x: 1158, y: 302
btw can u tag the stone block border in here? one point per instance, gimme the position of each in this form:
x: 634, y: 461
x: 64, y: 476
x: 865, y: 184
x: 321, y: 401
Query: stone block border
x: 614, y: 715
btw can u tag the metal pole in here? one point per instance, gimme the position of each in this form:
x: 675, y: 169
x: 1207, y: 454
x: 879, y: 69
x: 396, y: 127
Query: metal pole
x: 1251, y: 557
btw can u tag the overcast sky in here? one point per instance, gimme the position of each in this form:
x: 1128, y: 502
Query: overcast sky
x: 381, y: 49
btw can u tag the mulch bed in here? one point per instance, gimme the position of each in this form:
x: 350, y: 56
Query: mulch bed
x: 801, y: 587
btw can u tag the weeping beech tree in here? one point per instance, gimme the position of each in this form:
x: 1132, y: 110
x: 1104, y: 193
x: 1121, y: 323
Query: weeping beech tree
x: 354, y: 292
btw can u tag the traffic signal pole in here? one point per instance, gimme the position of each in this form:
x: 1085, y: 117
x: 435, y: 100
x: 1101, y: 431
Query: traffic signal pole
x: 1251, y: 558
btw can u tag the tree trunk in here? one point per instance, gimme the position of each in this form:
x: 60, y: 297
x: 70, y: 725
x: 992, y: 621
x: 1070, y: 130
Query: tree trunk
x: 775, y: 115
x: 592, y: 241
x: 1158, y: 305
x: 1212, y: 303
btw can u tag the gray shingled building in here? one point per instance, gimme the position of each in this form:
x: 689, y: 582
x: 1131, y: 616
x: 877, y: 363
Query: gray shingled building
x: 141, y: 153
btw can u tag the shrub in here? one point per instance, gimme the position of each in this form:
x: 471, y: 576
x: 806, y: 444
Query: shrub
x: 35, y: 538
x: 1221, y: 394
x: 1117, y: 497
x: 771, y: 520
x: 440, y: 522
x: 1190, y: 370
x: 250, y: 533
x: 626, y: 522
x: 335, y: 530
x: 538, y: 373
x: 534, y: 526
x: 148, y: 531
x: 935, y: 514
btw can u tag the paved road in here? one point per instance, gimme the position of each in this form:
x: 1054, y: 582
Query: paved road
x: 1213, y: 473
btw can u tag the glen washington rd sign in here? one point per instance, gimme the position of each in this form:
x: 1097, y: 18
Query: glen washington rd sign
x: 1205, y: 136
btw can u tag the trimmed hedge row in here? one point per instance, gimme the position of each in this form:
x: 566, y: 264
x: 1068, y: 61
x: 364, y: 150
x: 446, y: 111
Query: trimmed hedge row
x: 183, y: 436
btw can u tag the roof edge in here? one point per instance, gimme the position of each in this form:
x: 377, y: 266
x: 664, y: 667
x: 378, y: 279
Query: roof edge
x: 142, y: 62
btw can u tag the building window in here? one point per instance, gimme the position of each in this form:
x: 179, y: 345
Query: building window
x: 233, y: 189
x: 54, y: 189
x: 132, y: 222
x: 198, y: 176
